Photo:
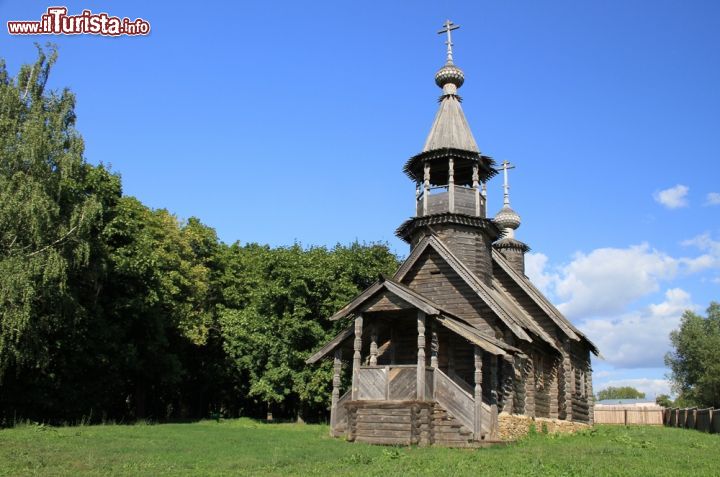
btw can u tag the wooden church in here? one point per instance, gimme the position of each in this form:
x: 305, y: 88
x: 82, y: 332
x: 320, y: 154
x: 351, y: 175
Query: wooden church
x: 458, y: 335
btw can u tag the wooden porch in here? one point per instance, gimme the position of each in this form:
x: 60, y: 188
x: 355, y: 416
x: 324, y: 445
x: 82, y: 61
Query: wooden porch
x: 388, y: 409
x: 411, y: 404
x: 402, y: 394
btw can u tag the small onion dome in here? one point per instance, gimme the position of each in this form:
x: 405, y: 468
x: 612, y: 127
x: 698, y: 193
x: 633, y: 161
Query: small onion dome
x: 507, y: 218
x: 449, y: 74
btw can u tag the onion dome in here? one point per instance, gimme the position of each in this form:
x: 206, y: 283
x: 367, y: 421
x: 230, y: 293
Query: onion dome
x: 449, y: 74
x: 507, y: 218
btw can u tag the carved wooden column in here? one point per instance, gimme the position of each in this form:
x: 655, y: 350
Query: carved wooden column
x: 484, y: 202
x: 451, y: 185
x: 434, y: 346
x: 475, y: 186
x: 357, y: 346
x: 337, y: 367
x: 477, y: 352
x: 417, y: 196
x: 426, y: 188
x: 421, y: 356
x: 493, y: 379
x: 373, y: 345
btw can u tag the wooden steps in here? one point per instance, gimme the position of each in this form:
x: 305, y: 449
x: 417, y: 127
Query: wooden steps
x: 448, y: 431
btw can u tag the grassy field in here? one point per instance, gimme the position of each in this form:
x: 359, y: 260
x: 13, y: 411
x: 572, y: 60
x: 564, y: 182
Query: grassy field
x: 246, y: 447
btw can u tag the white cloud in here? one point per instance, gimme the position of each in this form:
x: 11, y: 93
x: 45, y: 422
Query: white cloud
x: 712, y: 198
x: 711, y: 257
x: 608, y: 279
x: 704, y: 242
x: 535, y: 264
x: 651, y: 387
x: 597, y: 290
x: 639, y: 339
x: 674, y: 197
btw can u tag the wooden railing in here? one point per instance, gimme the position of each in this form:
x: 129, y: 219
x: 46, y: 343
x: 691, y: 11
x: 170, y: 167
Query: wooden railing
x: 340, y: 418
x: 399, y: 383
x: 466, y: 201
x: 391, y: 383
x: 455, y: 399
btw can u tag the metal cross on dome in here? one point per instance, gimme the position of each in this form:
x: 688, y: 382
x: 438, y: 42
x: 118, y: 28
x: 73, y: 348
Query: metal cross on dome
x: 449, y: 26
x: 506, y: 187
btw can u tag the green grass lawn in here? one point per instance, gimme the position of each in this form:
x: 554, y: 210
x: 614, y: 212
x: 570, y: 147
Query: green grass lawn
x: 246, y: 447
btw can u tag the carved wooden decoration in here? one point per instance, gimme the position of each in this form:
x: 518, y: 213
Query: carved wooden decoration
x: 421, y: 355
x: 451, y: 185
x: 357, y: 346
x: 476, y: 189
x: 434, y: 346
x: 373, y: 345
x: 337, y: 367
x: 477, y: 355
x: 426, y: 187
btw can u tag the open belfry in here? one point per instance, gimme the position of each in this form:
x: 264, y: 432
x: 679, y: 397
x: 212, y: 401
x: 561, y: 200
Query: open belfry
x: 458, y: 342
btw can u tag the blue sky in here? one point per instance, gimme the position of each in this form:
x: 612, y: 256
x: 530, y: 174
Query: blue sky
x: 277, y: 122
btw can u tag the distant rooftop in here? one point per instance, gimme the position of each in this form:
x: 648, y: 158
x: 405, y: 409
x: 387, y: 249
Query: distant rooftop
x: 611, y: 402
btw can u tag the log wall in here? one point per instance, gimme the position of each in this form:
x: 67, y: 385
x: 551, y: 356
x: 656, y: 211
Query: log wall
x: 432, y: 277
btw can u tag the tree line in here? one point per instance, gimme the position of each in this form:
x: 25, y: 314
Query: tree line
x: 110, y: 310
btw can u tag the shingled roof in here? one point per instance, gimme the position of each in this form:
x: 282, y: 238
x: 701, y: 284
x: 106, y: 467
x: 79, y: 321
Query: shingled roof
x: 450, y: 128
x: 514, y: 317
x: 446, y: 319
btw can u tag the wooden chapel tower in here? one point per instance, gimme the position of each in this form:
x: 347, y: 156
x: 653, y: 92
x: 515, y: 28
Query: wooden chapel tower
x: 458, y: 335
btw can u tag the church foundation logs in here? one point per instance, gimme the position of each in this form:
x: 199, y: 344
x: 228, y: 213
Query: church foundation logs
x: 390, y: 422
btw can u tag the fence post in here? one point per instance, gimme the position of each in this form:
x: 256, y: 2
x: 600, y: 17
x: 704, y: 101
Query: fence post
x: 625, y: 412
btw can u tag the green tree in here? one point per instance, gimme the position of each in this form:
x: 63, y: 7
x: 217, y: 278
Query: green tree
x: 695, y: 360
x: 158, y: 291
x: 53, y: 205
x: 274, y: 314
x: 621, y: 392
x: 663, y: 400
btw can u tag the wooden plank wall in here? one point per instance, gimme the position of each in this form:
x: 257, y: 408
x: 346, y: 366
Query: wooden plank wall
x: 629, y: 415
x: 372, y: 384
x: 471, y: 246
x: 432, y: 277
x: 403, y: 384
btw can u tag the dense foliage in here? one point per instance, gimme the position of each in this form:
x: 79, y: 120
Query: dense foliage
x: 109, y: 309
x: 695, y: 360
x: 620, y: 392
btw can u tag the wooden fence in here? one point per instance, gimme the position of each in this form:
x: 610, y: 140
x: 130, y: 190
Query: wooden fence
x: 703, y: 420
x: 629, y: 415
